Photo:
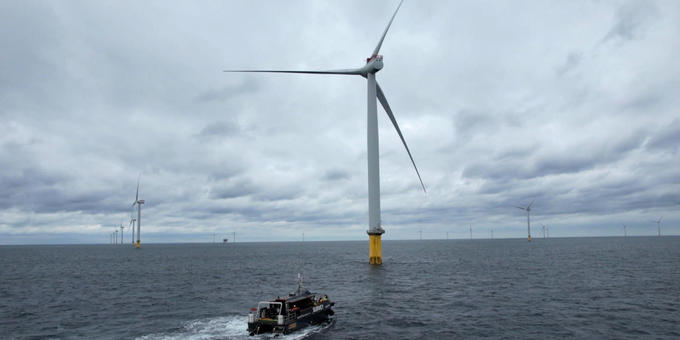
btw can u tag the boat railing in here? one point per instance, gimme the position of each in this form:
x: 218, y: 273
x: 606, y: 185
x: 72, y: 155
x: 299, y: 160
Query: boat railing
x: 266, y: 305
x: 290, y: 317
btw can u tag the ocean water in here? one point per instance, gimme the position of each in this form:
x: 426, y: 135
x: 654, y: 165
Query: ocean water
x: 621, y: 288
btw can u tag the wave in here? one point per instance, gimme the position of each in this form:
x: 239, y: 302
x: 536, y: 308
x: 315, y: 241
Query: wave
x: 226, y: 327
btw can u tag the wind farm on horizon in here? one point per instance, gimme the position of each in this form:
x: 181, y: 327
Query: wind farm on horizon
x: 374, y: 63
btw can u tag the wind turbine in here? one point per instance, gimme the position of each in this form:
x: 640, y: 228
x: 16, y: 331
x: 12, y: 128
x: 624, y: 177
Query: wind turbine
x: 528, y: 210
x: 373, y: 64
x: 132, y: 223
x: 121, y: 233
x: 543, y: 225
x: 625, y: 232
x: 139, y: 203
x: 115, y: 239
x: 658, y: 226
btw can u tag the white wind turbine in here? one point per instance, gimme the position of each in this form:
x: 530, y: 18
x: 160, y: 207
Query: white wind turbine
x: 543, y: 225
x: 528, y: 210
x: 139, y: 203
x: 625, y: 232
x: 132, y: 224
x: 658, y: 226
x: 373, y: 64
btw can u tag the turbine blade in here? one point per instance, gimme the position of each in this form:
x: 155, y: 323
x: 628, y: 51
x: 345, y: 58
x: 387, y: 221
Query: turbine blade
x: 377, y: 48
x: 386, y: 106
x: 355, y: 71
x: 523, y: 208
x: 532, y: 202
x: 137, y: 194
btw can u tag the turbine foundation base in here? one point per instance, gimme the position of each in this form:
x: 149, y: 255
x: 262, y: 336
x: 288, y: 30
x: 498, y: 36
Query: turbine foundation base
x: 375, y: 247
x: 138, y: 245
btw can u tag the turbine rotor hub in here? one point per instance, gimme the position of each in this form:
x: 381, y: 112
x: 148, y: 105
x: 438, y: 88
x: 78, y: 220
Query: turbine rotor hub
x: 374, y: 63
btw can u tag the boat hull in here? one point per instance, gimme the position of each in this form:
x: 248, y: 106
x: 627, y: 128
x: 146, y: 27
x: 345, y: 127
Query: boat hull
x: 271, y: 326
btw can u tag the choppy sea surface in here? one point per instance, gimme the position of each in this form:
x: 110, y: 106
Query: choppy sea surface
x: 619, y: 288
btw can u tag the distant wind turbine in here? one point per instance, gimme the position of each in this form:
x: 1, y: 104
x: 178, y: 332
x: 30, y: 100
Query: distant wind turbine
x: 139, y: 203
x: 471, y: 231
x: 625, y: 232
x: 528, y: 210
x: 373, y: 64
x: 543, y: 225
x: 658, y: 226
x: 132, y: 234
x: 115, y: 240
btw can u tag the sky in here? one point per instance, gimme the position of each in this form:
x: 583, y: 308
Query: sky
x: 573, y: 105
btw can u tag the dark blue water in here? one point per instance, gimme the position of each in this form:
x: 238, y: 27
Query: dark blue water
x: 624, y: 288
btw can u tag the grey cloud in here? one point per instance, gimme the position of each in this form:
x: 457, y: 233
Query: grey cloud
x: 249, y: 84
x: 520, y: 164
x: 218, y: 129
x: 666, y: 139
x: 233, y: 188
x: 336, y: 175
x: 630, y: 20
x: 91, y: 96
x: 573, y: 60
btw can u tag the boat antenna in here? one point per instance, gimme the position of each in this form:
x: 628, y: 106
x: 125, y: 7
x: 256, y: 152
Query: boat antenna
x: 299, y: 284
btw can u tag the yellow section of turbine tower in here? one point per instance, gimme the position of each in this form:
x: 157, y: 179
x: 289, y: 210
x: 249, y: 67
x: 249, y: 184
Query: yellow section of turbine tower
x: 375, y: 249
x: 138, y: 245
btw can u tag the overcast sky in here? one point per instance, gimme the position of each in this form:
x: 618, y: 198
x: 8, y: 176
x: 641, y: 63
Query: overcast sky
x: 573, y: 104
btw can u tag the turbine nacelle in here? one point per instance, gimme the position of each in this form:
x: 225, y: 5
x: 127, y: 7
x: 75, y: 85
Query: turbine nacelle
x: 373, y: 64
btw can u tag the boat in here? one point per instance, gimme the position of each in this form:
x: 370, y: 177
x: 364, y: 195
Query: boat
x: 284, y: 315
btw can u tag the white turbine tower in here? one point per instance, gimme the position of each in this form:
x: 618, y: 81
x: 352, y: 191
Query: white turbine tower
x: 373, y: 64
x: 121, y: 233
x: 658, y: 226
x: 132, y: 224
x: 528, y: 210
x: 139, y: 203
x: 625, y: 232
